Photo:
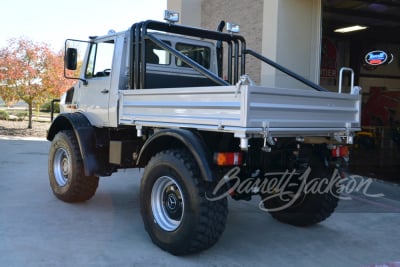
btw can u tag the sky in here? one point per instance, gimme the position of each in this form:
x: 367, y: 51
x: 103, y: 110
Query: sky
x: 53, y: 21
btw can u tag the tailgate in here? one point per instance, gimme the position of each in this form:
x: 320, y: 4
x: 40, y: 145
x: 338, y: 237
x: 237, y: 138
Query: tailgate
x: 307, y: 111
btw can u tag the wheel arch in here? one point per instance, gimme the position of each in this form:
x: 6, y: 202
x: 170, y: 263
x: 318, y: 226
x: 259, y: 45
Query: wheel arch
x: 86, y: 136
x: 60, y: 123
x: 175, y: 138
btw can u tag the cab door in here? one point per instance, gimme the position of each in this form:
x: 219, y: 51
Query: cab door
x: 95, y: 87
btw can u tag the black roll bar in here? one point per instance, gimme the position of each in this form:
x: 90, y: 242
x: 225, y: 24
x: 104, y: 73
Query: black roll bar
x: 237, y: 52
x: 285, y: 70
x: 220, y: 49
x: 189, y: 31
x: 137, y: 47
x: 139, y: 34
x: 236, y: 61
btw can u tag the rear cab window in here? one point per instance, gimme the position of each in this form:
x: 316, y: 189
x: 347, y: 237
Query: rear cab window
x: 200, y: 54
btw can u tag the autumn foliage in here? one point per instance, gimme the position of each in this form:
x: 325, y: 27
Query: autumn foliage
x: 31, y: 72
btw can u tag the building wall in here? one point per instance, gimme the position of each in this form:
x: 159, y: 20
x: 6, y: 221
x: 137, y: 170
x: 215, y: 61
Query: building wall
x: 189, y: 10
x: 303, y: 25
x: 292, y: 38
x: 248, y: 14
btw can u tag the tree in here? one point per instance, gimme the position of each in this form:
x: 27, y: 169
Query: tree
x: 54, y: 79
x: 7, y: 92
x: 8, y: 95
x: 31, y: 72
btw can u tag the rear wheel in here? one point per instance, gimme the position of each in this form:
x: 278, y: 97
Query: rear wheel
x: 66, y: 172
x: 174, y: 208
x: 310, y: 197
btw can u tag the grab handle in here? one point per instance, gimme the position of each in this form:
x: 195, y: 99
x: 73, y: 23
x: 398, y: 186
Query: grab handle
x: 341, y: 78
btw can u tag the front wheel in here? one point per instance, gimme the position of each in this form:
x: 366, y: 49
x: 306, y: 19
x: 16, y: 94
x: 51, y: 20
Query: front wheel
x: 174, y: 207
x: 66, y: 171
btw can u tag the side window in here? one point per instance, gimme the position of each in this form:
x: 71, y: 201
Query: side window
x: 100, y: 59
x: 200, y: 54
x: 157, y: 55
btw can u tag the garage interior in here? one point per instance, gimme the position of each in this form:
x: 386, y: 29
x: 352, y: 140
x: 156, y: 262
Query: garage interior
x: 377, y: 148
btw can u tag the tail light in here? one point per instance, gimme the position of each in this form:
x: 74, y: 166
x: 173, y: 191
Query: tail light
x: 228, y: 158
x: 340, y: 152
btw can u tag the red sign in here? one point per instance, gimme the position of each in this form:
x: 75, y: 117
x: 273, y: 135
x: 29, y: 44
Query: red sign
x: 328, y: 71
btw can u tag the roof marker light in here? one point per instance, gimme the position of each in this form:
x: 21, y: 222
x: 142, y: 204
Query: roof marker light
x: 232, y: 27
x: 171, y: 16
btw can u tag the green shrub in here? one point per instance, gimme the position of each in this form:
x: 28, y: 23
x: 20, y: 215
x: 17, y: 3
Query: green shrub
x: 17, y: 115
x: 21, y: 115
x: 46, y: 107
x: 4, y: 115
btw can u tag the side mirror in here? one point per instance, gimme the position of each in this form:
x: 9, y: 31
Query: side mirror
x: 71, y: 58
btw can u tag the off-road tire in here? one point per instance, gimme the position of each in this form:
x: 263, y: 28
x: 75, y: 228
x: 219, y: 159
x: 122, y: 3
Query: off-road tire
x: 66, y: 171
x: 192, y: 223
x: 311, y: 208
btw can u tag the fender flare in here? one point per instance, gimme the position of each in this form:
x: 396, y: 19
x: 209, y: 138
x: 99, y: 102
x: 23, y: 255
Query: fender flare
x: 164, y: 139
x: 85, y: 135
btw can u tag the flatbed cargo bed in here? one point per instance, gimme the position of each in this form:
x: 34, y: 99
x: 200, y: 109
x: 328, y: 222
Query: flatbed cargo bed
x: 243, y: 110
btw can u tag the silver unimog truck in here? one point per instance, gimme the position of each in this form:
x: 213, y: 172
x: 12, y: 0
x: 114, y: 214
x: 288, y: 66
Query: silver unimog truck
x: 176, y: 101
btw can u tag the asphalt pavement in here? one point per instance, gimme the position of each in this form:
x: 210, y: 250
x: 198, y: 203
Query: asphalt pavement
x: 36, y: 229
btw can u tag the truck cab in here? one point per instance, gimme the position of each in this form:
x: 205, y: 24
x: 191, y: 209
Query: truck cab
x: 103, y: 67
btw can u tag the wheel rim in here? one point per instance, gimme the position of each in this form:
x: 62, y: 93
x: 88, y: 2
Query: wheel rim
x: 167, y: 203
x: 61, y: 166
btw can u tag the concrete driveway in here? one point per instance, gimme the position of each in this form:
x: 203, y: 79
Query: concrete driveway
x: 36, y: 229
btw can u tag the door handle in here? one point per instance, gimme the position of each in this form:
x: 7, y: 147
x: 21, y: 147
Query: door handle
x: 105, y: 91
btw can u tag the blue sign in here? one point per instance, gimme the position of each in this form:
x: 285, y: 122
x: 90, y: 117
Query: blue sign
x: 376, y: 58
